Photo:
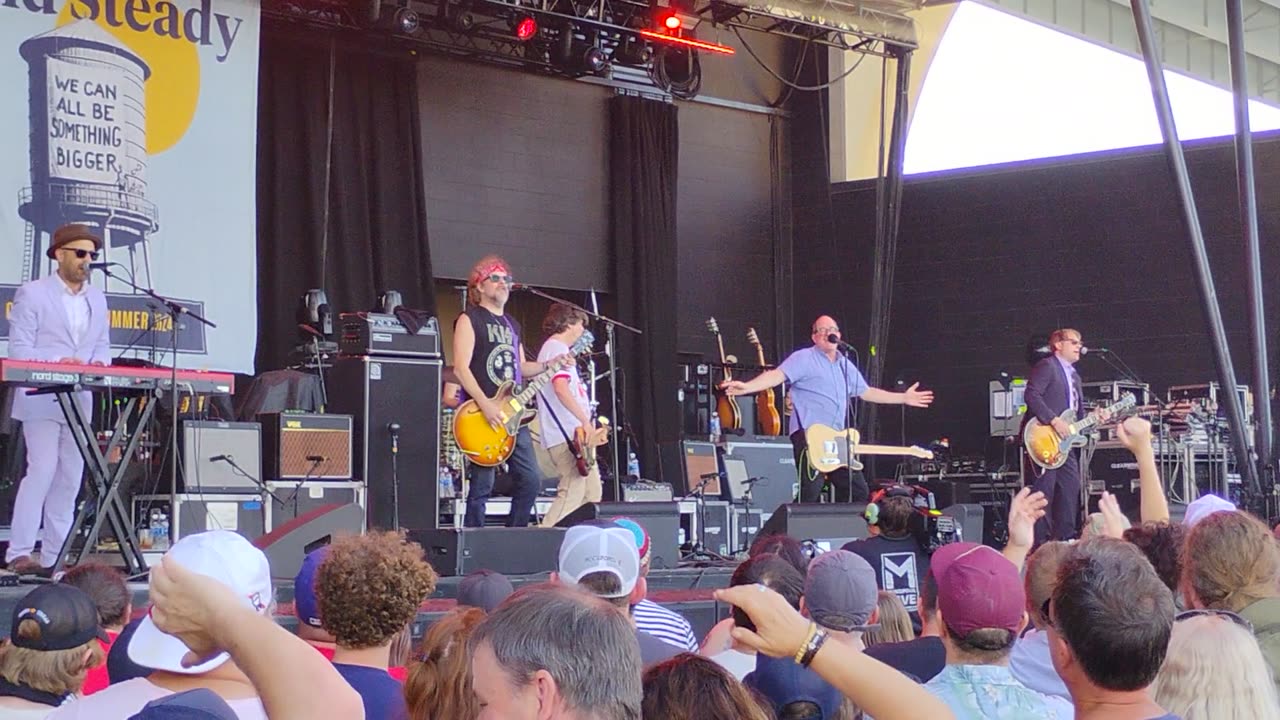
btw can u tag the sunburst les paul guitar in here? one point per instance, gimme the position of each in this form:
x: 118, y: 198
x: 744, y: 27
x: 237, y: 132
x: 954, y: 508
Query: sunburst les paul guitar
x: 1049, y: 451
x: 833, y: 449
x: 488, y: 445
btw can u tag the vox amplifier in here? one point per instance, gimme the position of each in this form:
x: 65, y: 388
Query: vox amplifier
x: 310, y: 446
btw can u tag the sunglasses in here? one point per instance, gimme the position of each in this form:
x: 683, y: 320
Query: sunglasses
x: 82, y: 254
x: 500, y: 278
x: 1208, y: 612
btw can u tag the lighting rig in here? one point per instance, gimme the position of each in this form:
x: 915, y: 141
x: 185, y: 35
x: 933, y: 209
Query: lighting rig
x: 662, y: 39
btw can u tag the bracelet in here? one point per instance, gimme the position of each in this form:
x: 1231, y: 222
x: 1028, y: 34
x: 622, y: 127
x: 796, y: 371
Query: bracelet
x: 808, y: 640
x: 819, y: 639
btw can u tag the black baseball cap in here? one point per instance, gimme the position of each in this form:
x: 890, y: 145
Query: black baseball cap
x: 66, y: 615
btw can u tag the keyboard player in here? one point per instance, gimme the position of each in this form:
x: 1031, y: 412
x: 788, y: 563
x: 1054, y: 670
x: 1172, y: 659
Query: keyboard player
x: 59, y: 318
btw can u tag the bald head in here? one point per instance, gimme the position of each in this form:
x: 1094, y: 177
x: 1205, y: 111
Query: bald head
x: 822, y: 327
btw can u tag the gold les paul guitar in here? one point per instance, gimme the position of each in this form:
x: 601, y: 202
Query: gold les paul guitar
x: 833, y: 449
x: 1049, y: 451
x: 488, y: 445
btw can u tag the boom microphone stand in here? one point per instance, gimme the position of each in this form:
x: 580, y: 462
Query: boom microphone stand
x: 175, y: 309
x: 611, y: 349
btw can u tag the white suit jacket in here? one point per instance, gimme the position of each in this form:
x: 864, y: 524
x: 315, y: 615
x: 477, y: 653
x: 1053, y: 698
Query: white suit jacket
x: 40, y: 330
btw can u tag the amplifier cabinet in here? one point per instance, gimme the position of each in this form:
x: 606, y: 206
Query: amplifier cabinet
x: 311, y: 446
x: 198, y: 512
x: 716, y: 528
x: 772, y: 460
x: 746, y: 526
x: 1113, y: 468
x: 220, y: 456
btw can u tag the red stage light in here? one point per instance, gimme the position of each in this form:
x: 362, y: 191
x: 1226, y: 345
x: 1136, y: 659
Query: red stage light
x: 687, y: 42
x: 526, y: 28
x: 671, y: 22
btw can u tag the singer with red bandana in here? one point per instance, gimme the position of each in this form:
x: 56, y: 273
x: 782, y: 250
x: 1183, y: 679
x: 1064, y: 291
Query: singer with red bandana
x: 822, y: 380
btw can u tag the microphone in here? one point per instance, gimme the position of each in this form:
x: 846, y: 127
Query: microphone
x: 754, y: 480
x: 102, y: 265
x: 710, y: 476
x: 393, y: 428
x: 316, y: 458
x: 1087, y: 350
x: 835, y: 340
x: 220, y: 458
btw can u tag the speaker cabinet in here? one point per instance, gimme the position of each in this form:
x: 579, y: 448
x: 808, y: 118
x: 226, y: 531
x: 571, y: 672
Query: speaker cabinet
x: 510, y: 551
x: 288, y: 544
x: 378, y: 392
x: 217, y: 455
x: 660, y: 519
x: 306, y: 446
x: 828, y: 525
x: 993, y: 496
x: 773, y: 461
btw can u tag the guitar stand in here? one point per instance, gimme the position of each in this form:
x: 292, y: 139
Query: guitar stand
x: 103, y: 486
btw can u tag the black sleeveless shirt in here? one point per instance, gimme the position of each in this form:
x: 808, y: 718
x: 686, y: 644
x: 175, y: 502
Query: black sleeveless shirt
x: 495, y: 359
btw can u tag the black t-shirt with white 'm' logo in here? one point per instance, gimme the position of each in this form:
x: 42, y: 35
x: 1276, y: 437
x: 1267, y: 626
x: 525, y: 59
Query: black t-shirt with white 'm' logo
x: 900, y: 567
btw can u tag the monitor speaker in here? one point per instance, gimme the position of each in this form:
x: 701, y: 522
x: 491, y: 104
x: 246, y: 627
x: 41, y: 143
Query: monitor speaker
x: 287, y: 545
x: 828, y: 525
x: 510, y: 551
x: 660, y: 519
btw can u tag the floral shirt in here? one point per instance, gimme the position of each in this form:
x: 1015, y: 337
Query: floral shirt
x: 990, y: 692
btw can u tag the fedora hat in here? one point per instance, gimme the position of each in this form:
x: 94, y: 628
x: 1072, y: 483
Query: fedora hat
x: 70, y: 233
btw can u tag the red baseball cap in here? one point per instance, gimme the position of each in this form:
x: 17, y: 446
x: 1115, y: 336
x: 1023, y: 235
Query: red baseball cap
x: 978, y: 588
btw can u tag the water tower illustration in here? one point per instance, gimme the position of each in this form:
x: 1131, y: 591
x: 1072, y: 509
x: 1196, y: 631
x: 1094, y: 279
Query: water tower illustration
x: 88, y: 145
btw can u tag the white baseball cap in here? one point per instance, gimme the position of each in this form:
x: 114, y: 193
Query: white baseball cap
x: 591, y: 548
x: 224, y: 556
x: 1204, y: 506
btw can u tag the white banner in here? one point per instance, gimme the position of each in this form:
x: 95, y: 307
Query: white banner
x: 139, y: 120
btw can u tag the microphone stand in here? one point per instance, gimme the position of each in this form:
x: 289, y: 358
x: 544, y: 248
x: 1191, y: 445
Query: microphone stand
x: 611, y: 349
x: 700, y: 498
x: 261, y: 485
x: 175, y: 309
x: 394, y: 429
x: 293, y: 497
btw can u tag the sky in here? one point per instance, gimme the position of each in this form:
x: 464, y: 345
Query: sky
x: 1003, y: 89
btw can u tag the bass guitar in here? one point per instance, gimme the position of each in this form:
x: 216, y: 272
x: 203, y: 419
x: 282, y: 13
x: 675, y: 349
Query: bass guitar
x: 585, y: 442
x: 726, y: 405
x: 1049, y: 451
x: 766, y: 405
x: 488, y: 445
x: 831, y: 449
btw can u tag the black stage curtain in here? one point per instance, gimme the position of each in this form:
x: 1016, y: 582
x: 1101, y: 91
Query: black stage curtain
x: 643, y: 154
x: 368, y: 158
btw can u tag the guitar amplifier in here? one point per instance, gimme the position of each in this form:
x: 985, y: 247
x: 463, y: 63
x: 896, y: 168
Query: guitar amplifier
x: 369, y: 333
x: 646, y: 492
x: 1113, y: 468
x: 311, y: 446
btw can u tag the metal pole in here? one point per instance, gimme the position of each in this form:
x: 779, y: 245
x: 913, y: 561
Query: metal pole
x: 1204, y: 278
x: 1249, y: 227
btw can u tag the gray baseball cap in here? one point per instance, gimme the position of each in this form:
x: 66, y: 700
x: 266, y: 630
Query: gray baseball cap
x: 840, y: 591
x: 588, y: 549
x: 484, y: 589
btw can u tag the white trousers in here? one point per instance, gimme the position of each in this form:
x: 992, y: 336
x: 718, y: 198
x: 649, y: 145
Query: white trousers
x: 47, y: 493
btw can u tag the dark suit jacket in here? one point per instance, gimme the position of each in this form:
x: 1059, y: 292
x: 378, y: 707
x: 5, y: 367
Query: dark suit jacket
x: 1046, y: 393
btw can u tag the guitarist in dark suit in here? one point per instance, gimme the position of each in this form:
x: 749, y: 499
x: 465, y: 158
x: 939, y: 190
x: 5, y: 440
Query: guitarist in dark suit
x: 486, y: 353
x: 1054, y: 386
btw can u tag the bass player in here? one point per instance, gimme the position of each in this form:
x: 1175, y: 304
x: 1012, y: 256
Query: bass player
x: 563, y: 407
x: 486, y: 353
x: 822, y: 381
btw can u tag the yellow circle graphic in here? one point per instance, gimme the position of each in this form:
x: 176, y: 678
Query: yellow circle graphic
x: 172, y: 89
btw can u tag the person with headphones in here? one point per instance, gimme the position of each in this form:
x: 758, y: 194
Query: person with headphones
x: 894, y: 550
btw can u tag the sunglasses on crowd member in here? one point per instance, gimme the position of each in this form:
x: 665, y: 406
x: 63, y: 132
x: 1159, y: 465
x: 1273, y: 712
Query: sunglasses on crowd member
x: 82, y: 254
x: 1209, y: 612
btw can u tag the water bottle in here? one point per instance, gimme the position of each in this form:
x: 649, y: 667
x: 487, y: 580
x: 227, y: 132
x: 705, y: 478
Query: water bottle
x: 162, y: 537
x: 633, y: 466
x: 715, y: 427
x: 446, y: 482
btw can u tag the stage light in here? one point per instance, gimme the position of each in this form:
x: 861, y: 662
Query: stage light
x: 524, y: 26
x: 671, y: 21
x: 406, y: 21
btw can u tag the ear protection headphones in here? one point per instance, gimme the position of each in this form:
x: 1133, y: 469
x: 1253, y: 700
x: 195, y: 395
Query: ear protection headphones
x: 921, y: 499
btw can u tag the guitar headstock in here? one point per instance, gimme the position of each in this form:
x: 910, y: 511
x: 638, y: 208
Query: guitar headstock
x: 752, y: 337
x: 919, y: 452
x: 1125, y: 402
x: 713, y: 326
x: 583, y: 344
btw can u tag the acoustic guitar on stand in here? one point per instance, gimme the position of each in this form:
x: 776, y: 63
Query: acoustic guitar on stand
x: 1049, y: 451
x: 726, y: 406
x: 766, y: 404
x: 831, y: 449
x: 488, y: 445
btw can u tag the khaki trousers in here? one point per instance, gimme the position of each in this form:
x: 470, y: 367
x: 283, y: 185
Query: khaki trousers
x: 574, y: 490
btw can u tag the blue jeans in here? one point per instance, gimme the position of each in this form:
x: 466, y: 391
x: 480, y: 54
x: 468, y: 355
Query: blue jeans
x: 527, y: 482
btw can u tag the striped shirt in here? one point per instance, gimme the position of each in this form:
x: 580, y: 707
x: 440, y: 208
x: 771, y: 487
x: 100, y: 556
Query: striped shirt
x: 665, y: 625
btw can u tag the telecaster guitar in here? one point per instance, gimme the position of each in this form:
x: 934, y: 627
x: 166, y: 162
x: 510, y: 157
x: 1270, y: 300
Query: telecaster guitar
x: 486, y: 445
x: 831, y: 449
x: 1049, y: 451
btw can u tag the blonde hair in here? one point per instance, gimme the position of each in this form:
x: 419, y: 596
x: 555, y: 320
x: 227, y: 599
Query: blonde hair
x: 1230, y: 561
x: 439, y: 682
x: 60, y: 672
x: 1041, y: 575
x: 895, y: 623
x: 1214, y: 670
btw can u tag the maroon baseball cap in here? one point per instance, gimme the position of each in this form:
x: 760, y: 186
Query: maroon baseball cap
x: 978, y: 588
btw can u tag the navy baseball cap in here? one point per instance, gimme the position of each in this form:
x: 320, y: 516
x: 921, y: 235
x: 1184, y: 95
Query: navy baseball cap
x: 65, y: 615
x: 305, y: 604
x: 198, y: 704
x: 782, y: 682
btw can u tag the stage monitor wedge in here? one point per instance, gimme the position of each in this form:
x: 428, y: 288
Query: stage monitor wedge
x: 828, y: 525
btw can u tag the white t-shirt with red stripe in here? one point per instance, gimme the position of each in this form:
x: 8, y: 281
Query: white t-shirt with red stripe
x: 549, y: 402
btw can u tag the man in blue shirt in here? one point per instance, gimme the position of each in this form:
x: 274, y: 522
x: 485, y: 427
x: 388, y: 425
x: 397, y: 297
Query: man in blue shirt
x: 822, y: 381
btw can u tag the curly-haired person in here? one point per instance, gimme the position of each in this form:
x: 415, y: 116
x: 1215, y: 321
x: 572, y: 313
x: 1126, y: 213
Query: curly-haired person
x: 368, y: 588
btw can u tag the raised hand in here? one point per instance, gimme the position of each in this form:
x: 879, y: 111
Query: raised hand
x: 780, y: 630
x: 191, y: 606
x: 1113, y: 520
x: 1027, y: 507
x: 1135, y: 434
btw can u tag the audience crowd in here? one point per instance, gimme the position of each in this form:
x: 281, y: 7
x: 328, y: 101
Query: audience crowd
x: 1153, y: 619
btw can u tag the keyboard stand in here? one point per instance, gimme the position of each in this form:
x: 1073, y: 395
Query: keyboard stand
x: 103, y: 500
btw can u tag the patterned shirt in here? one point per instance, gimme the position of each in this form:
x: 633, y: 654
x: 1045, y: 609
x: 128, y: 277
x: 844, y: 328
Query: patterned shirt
x: 666, y: 625
x: 990, y: 692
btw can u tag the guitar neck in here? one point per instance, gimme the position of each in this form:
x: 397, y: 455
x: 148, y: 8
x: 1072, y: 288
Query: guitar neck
x: 862, y: 449
x: 536, y: 383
